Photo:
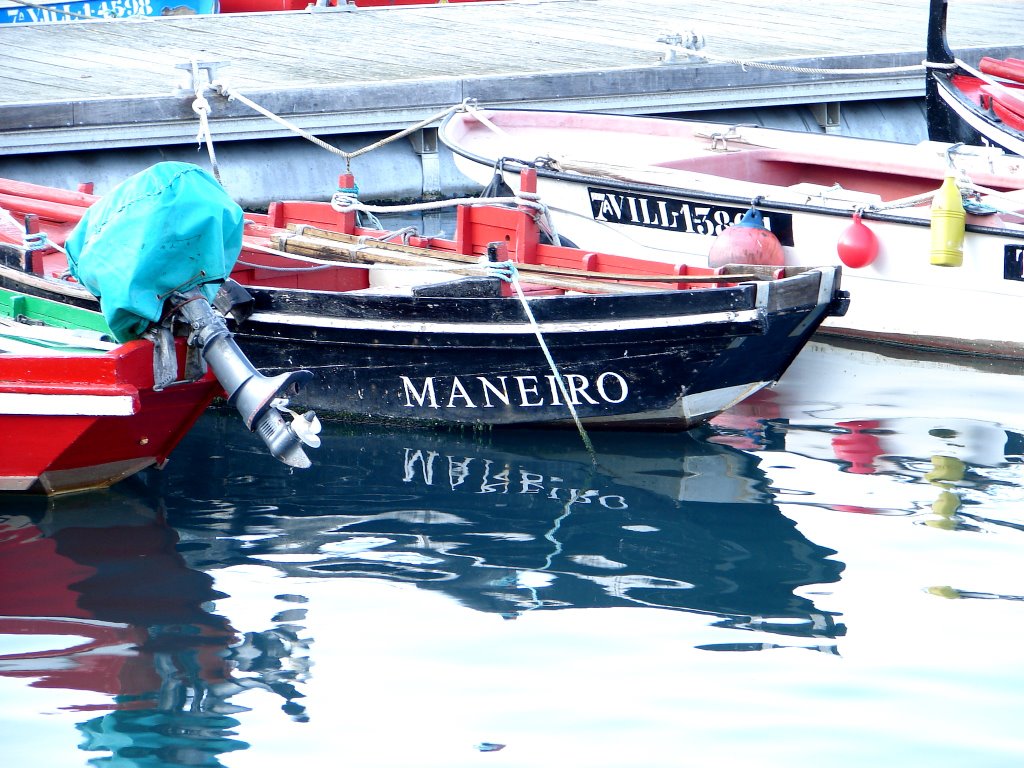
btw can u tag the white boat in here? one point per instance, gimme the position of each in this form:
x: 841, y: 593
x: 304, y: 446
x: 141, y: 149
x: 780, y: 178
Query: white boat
x: 668, y: 188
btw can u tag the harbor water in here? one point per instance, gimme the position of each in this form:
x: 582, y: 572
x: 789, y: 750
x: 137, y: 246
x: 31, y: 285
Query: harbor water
x: 828, y: 574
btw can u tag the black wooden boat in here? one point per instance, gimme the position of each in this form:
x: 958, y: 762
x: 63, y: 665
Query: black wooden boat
x: 661, y: 358
x: 983, y: 105
x: 422, y: 331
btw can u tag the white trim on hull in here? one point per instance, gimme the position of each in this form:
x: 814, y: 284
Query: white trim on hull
x: 35, y: 404
x: 1006, y: 140
x: 508, y: 329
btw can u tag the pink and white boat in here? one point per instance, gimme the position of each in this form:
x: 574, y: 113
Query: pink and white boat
x: 668, y: 189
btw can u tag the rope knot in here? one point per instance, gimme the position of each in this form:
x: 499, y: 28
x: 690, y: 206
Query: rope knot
x: 201, y: 106
x: 344, y: 202
x: 36, y: 241
x: 503, y: 270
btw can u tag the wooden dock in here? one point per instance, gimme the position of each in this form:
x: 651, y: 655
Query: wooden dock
x: 74, y: 85
x: 120, y: 83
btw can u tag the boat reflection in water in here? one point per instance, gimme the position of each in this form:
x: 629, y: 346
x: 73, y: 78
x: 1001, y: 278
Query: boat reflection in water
x: 94, y: 587
x: 118, y: 588
x: 850, y: 419
x: 516, y: 521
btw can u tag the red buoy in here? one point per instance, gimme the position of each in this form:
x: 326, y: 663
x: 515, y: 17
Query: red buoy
x: 747, y: 241
x: 859, y: 445
x: 858, y: 245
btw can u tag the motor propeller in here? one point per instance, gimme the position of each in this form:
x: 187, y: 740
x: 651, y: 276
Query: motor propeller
x: 261, y: 400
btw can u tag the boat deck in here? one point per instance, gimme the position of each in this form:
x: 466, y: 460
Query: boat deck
x: 103, y: 84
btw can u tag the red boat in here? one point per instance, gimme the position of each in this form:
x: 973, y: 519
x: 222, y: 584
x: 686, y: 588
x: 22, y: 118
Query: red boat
x: 87, y: 399
x: 78, y: 414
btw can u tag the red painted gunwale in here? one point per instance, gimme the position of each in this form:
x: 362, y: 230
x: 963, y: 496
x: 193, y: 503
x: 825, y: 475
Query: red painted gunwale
x: 54, y: 444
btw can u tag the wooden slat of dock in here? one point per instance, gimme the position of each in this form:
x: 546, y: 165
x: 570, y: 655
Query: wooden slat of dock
x: 112, y: 83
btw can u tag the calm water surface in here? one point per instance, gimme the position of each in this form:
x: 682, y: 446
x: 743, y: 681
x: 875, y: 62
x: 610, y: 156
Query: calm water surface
x: 832, y: 574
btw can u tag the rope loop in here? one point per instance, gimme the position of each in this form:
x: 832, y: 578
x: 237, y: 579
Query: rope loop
x: 503, y: 270
x: 36, y: 241
x: 201, y: 106
x: 344, y: 202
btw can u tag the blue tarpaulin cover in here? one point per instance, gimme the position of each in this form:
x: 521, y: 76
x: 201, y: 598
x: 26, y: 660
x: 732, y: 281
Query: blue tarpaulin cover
x: 170, y: 227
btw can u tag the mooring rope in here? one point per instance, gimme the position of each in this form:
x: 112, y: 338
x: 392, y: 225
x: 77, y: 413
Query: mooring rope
x: 345, y: 201
x: 507, y: 271
x: 202, y: 108
x: 231, y: 94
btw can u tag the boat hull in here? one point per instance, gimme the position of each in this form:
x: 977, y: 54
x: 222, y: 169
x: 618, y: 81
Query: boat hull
x: 955, y: 114
x: 665, y: 359
x: 75, y: 423
x: 957, y: 108
x: 675, y: 198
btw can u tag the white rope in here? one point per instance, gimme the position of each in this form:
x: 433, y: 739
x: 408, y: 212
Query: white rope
x: 551, y: 361
x: 346, y: 202
x: 225, y: 90
x: 202, y: 108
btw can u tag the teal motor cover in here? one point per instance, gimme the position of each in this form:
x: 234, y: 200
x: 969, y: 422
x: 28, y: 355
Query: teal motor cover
x: 169, y: 228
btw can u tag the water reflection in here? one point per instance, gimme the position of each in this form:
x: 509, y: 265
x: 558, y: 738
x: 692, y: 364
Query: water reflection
x: 933, y: 436
x: 101, y: 603
x: 116, y: 590
x: 114, y: 598
x: 521, y: 521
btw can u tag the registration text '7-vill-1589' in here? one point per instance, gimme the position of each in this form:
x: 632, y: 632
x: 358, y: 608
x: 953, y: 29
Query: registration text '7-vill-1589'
x: 676, y: 214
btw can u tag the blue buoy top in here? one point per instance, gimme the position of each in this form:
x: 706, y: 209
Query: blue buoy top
x: 752, y: 218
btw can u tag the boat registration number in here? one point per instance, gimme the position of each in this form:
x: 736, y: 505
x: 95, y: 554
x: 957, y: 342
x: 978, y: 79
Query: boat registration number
x: 676, y: 214
x: 1013, y: 262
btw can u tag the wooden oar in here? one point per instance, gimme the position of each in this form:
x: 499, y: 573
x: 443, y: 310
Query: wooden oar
x: 367, y: 254
x: 358, y: 248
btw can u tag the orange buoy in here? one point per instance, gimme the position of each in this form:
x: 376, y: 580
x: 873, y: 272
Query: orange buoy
x: 858, y: 245
x: 747, y: 241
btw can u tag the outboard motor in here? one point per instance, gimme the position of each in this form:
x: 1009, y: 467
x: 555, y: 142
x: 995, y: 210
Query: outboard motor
x: 168, y: 237
x: 259, y: 399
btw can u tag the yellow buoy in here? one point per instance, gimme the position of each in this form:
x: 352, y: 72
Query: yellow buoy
x: 946, y: 470
x: 948, y: 221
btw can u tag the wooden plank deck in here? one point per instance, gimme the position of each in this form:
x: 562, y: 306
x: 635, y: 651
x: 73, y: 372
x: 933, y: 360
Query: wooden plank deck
x: 113, y: 83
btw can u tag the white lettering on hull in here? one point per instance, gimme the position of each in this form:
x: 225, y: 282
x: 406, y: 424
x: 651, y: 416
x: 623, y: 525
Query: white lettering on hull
x: 512, y: 391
